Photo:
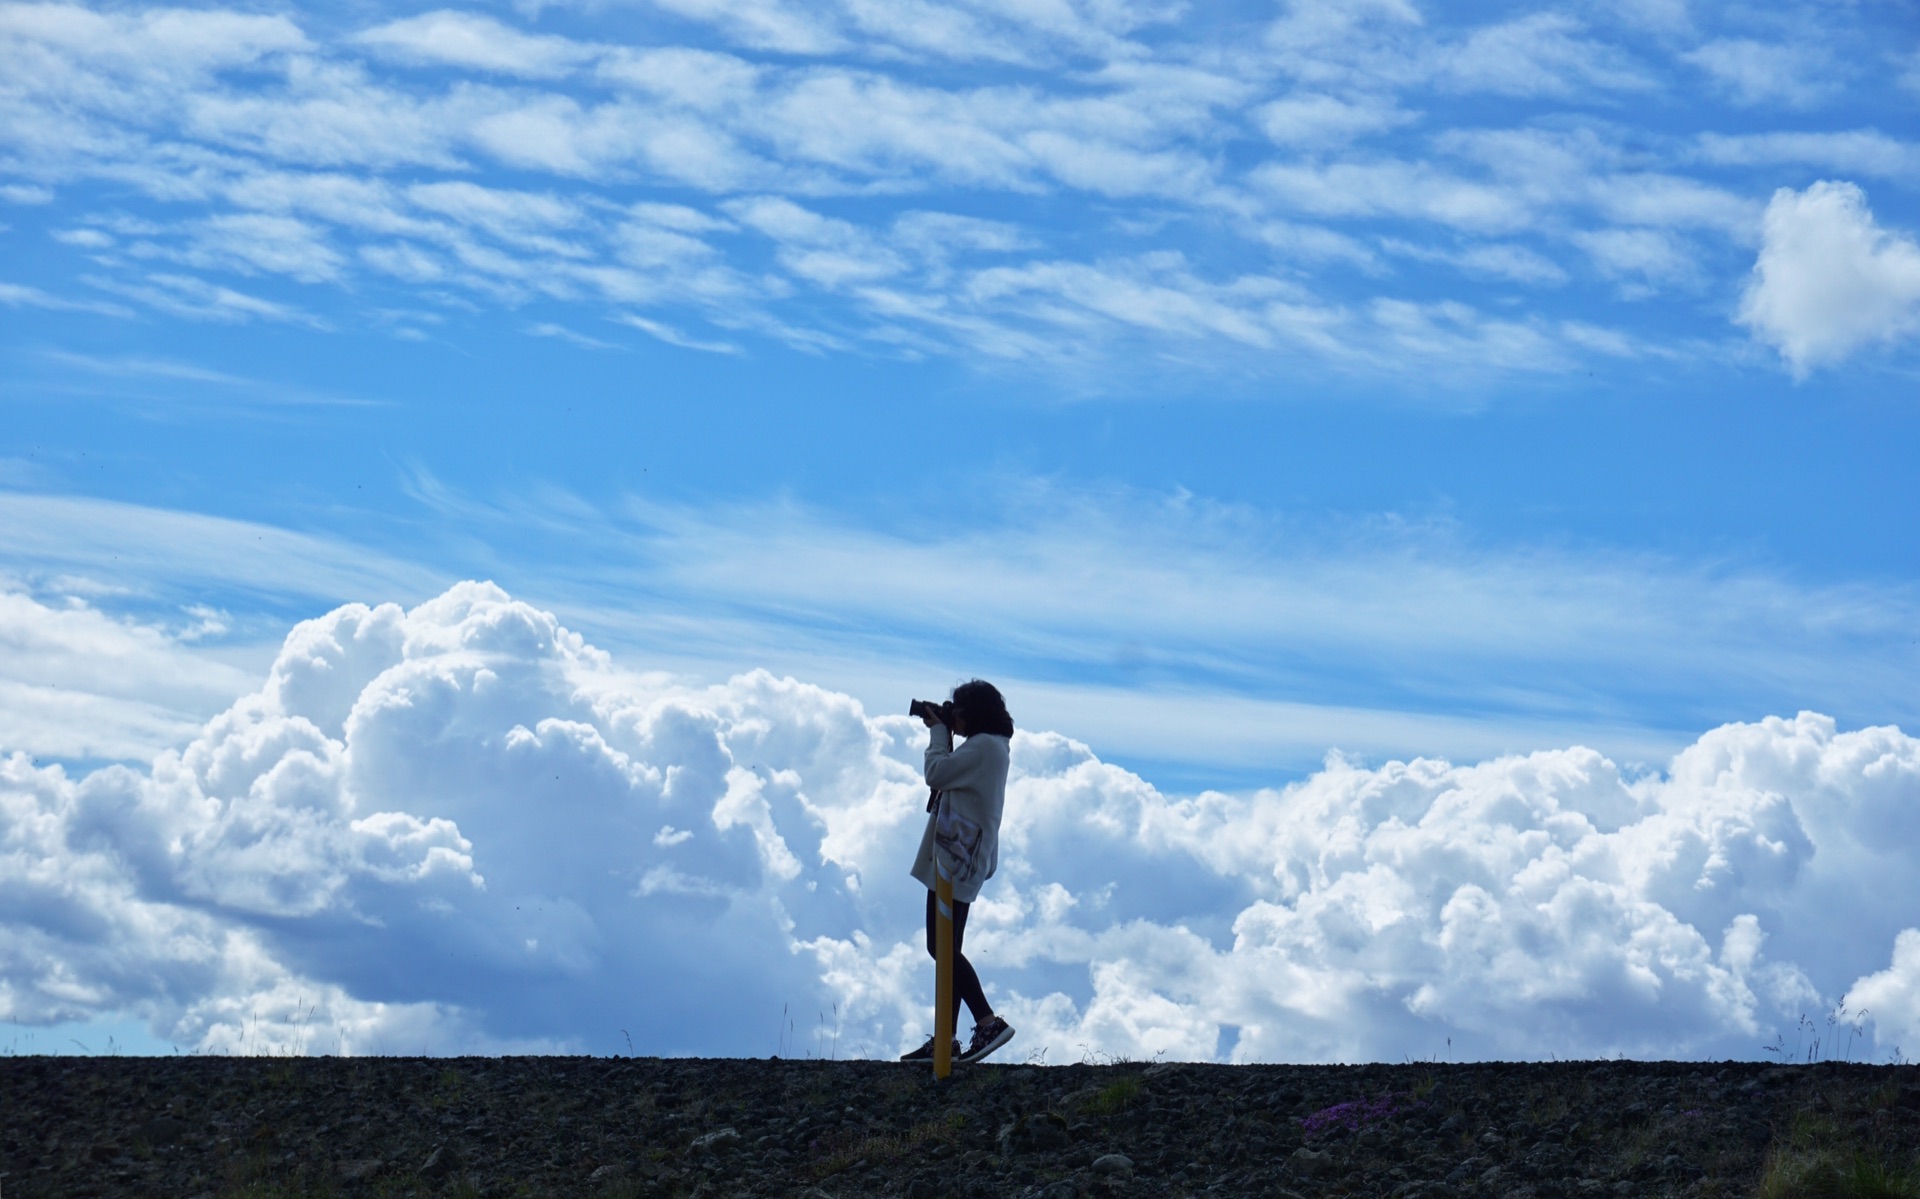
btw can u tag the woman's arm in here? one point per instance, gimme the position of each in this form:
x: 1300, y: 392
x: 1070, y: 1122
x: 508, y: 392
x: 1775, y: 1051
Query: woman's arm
x: 948, y: 767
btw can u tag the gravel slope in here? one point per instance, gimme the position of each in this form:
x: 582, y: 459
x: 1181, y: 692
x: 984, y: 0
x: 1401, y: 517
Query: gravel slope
x: 624, y: 1127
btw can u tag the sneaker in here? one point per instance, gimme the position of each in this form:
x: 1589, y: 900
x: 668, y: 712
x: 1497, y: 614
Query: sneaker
x: 925, y: 1052
x: 987, y: 1038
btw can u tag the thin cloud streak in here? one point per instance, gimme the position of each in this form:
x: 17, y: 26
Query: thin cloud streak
x: 137, y: 545
x: 1232, y: 635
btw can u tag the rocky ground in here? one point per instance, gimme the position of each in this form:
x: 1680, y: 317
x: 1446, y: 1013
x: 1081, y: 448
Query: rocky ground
x: 598, y: 1127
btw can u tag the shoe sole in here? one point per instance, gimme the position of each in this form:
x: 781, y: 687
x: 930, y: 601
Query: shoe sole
x: 972, y: 1056
x: 924, y: 1059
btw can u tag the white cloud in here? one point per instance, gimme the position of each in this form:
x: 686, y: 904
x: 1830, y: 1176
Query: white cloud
x: 1768, y: 73
x: 1672, y: 201
x: 674, y: 337
x: 967, y: 31
x: 86, y: 239
x: 1156, y: 294
x: 829, y: 252
x: 1829, y: 281
x: 1538, y: 55
x: 254, y: 242
x: 1313, y: 119
x: 1853, y: 151
x: 193, y: 298
x: 562, y: 333
x: 1891, y: 997
x: 374, y: 805
x: 16, y: 295
x: 446, y: 37
x: 765, y: 24
x: 1643, y: 259
x: 77, y: 683
x: 1456, y: 333
x: 1392, y: 188
x: 158, y: 550
x: 1499, y: 260
x: 702, y: 80
x: 155, y: 47
x: 1655, y: 16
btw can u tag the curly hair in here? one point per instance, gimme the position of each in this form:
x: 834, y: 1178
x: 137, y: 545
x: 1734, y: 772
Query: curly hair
x: 985, y: 711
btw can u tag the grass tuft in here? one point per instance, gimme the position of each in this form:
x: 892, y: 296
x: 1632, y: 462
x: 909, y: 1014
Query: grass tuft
x: 1835, y: 1174
x: 1116, y: 1097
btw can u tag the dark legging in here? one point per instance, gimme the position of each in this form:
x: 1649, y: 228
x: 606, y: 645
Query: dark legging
x: 966, y: 984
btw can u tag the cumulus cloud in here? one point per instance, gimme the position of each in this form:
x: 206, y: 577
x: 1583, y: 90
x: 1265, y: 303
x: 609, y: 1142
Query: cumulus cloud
x: 461, y: 827
x: 1892, y: 996
x: 1829, y: 280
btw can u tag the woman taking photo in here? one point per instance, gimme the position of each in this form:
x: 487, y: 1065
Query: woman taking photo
x: 969, y: 788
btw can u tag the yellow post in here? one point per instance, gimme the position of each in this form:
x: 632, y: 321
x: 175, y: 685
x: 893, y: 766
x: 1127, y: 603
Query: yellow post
x: 942, y: 971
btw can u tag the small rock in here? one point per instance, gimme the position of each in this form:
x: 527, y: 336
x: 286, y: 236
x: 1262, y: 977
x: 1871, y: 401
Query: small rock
x: 1113, y: 1164
x: 612, y: 1172
x: 440, y: 1162
x: 359, y: 1169
x: 713, y: 1142
x: 1310, y: 1163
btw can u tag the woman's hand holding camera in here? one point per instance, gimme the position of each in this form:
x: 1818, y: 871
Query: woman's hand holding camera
x: 932, y: 713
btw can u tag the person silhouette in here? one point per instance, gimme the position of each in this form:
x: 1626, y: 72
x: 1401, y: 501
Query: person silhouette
x: 968, y: 791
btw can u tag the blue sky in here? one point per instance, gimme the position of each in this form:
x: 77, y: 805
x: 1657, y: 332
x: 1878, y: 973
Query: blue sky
x: 1232, y: 384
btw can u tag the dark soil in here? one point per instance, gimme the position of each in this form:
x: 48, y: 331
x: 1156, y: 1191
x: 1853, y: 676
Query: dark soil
x: 217, y: 1127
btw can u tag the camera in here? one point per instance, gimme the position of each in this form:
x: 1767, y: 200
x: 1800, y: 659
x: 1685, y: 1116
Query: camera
x: 928, y: 710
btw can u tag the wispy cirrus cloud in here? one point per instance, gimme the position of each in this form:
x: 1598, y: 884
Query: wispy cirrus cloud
x: 459, y: 153
x: 1212, y: 635
x: 446, y: 37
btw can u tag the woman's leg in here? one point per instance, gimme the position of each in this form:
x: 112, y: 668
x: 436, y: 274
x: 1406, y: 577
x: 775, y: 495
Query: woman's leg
x: 966, y: 983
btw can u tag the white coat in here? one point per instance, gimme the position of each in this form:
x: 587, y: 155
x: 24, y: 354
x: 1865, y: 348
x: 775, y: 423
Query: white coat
x: 964, y: 827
